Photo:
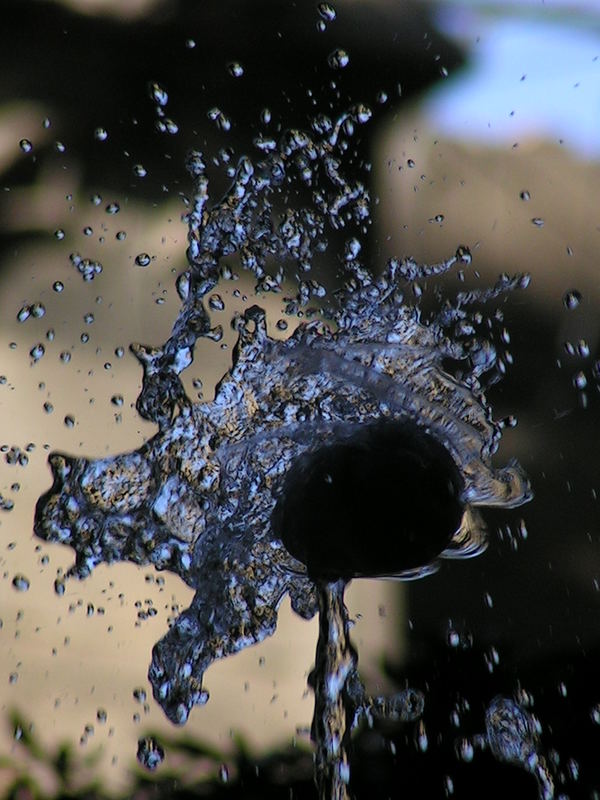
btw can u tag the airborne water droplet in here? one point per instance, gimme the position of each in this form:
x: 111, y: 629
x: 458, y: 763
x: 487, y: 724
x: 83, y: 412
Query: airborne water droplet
x: 150, y: 754
x: 142, y: 260
x: 338, y: 59
x: 20, y: 583
x: 235, y: 69
x: 101, y: 134
x: 158, y: 94
x: 572, y: 299
x: 26, y: 145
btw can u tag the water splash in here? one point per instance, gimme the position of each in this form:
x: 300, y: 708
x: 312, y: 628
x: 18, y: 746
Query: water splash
x: 198, y: 497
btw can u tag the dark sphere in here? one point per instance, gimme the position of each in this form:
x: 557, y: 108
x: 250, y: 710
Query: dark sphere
x: 385, y: 500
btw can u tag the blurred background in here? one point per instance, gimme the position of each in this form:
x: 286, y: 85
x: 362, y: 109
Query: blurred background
x: 486, y: 134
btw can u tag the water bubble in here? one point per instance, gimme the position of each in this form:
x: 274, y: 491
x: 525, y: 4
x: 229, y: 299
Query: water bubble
x: 572, y: 299
x: 20, y: 582
x: 139, y: 171
x: 235, y: 69
x: 158, y: 94
x: 142, y: 260
x: 150, y: 754
x: 26, y: 145
x: 338, y: 59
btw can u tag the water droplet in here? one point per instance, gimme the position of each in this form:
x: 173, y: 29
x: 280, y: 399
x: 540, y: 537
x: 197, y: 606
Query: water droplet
x: 101, y: 715
x: 119, y: 352
x: 338, y: 59
x: 139, y: 694
x: 410, y: 163
x: 463, y: 254
x: 327, y: 11
x: 101, y: 134
x: 223, y: 773
x: 69, y: 421
x: 23, y: 313
x: 142, y: 259
x: 65, y: 356
x: 58, y: 286
x: 538, y: 222
x: 26, y: 145
x: 190, y: 44
x: 215, y: 302
x: 95, y: 199
x: 572, y: 299
x: 222, y: 122
x: 524, y: 195
x: 235, y: 69
x: 113, y: 208
x: 88, y: 231
x: 579, y: 380
x: 59, y: 233
x: 117, y: 400
x: 150, y: 754
x: 20, y: 582
x: 48, y: 407
x: 139, y: 171
x: 59, y: 586
x: 120, y: 236
x: 37, y: 351
x: 158, y: 94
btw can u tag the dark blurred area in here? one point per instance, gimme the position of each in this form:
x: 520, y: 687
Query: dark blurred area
x: 94, y: 72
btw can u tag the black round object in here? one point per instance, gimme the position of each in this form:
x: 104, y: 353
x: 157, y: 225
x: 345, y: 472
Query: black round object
x: 383, y: 501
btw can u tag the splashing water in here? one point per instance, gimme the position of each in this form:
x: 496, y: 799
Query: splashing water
x: 198, y: 498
